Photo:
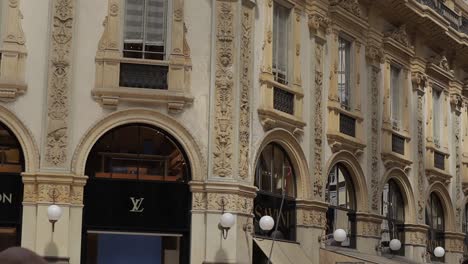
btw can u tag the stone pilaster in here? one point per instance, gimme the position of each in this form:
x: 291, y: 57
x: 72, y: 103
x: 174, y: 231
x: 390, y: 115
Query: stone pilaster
x: 368, y: 233
x: 59, y: 82
x: 415, y: 242
x: 310, y: 223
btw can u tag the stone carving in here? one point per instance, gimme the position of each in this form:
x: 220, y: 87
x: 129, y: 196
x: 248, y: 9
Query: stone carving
x: 244, y: 115
x: 53, y: 193
x: 457, y: 143
x: 351, y: 6
x: 399, y: 35
x: 313, y: 218
x: 417, y: 238
x: 456, y: 101
x: 442, y: 62
x: 316, y: 21
x: 76, y: 195
x: 59, y: 69
x: 375, y: 54
x: 224, y: 94
x: 199, y: 201
x: 374, y: 152
x: 30, y: 193
x: 454, y: 245
x: 227, y: 201
x: 318, y: 122
x: 370, y: 229
x: 15, y: 32
x: 178, y: 14
x: 420, y: 149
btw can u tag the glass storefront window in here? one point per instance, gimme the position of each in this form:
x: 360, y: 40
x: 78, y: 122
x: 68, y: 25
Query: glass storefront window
x: 137, y: 152
x: 394, y: 216
x: 11, y: 157
x: 339, y: 193
x: 274, y: 177
x: 436, y: 222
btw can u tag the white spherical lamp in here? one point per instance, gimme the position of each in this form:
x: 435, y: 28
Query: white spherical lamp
x: 339, y: 235
x: 267, y: 223
x: 227, y: 220
x: 54, y: 212
x: 439, y: 252
x: 395, y: 244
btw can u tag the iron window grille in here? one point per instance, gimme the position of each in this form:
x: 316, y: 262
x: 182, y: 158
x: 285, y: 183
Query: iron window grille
x: 143, y: 76
x: 347, y: 125
x: 398, y: 144
x: 283, y: 101
x: 439, y: 160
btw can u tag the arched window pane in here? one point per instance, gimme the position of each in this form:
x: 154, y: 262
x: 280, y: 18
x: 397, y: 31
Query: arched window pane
x: 11, y: 156
x: 436, y: 222
x: 137, y: 152
x: 340, y: 195
x: 393, y: 211
x: 274, y: 171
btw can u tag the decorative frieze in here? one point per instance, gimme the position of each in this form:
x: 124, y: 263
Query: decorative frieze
x: 420, y: 147
x: 368, y: 225
x: 245, y: 75
x: 311, y: 214
x: 229, y: 202
x: 222, y: 153
x: 454, y: 242
x: 59, y: 83
x: 374, y: 145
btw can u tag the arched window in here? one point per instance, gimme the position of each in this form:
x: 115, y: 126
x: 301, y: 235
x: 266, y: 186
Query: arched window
x: 274, y: 176
x: 137, y: 152
x: 393, y: 209
x: 436, y: 222
x: 341, y: 213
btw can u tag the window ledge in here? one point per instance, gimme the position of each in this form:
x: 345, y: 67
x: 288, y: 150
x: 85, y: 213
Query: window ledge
x: 340, y: 141
x: 442, y: 150
x: 354, y: 114
x: 111, y: 97
x: 398, y: 132
x: 292, y: 89
x: 435, y: 174
x: 9, y: 91
x: 393, y: 159
x: 271, y: 118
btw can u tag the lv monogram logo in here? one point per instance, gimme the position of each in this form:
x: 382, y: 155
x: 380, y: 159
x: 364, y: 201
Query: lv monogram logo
x: 137, y: 205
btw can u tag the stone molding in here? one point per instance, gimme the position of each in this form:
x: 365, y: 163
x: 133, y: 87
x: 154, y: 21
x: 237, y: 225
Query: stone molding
x: 368, y: 225
x: 53, y: 188
x: 416, y: 235
x: 13, y: 53
x: 59, y: 84
x: 311, y: 214
x: 351, y: 6
x: 146, y: 116
x: 454, y: 242
x: 107, y: 91
x: 218, y: 196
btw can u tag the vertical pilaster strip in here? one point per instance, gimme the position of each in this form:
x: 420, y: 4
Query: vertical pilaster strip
x: 374, y: 57
x: 56, y: 152
x: 224, y: 83
x: 457, y: 143
x: 318, y: 120
x: 246, y: 76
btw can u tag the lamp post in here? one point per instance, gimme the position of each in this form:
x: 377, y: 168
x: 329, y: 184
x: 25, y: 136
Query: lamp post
x: 54, y: 212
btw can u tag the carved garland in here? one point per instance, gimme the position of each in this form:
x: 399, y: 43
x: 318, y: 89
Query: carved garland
x: 224, y: 83
x: 244, y: 115
x: 374, y: 160
x: 59, y: 78
x: 318, y: 132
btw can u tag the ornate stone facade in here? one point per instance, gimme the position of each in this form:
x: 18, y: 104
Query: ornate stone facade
x: 224, y: 82
x: 56, y: 153
x: 318, y: 121
x: 245, y: 75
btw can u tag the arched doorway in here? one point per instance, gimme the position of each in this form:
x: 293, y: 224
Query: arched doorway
x: 275, y: 179
x: 137, y: 199
x: 436, y: 221
x: 11, y: 189
x: 341, y: 197
x: 393, y: 211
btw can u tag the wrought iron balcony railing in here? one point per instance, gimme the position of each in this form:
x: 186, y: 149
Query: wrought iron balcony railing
x: 456, y: 21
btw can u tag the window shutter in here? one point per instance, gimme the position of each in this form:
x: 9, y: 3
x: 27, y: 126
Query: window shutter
x: 134, y: 21
x: 155, y: 22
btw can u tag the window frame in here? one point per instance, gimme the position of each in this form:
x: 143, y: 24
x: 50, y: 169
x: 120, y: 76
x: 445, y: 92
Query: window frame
x: 167, y: 32
x: 350, y: 211
x: 396, y: 121
x: 349, y: 88
x: 274, y: 69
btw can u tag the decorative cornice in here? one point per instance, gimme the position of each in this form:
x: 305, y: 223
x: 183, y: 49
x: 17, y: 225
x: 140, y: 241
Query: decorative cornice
x: 317, y: 21
x: 399, y: 35
x: 351, y: 6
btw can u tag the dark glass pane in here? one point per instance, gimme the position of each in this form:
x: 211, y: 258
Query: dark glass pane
x: 283, y: 101
x: 143, y: 76
x: 11, y: 156
x: 439, y: 160
x: 398, y: 144
x: 347, y: 125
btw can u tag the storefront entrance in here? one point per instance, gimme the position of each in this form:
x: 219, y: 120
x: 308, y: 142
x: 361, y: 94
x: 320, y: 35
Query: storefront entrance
x: 11, y: 189
x: 137, y: 200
